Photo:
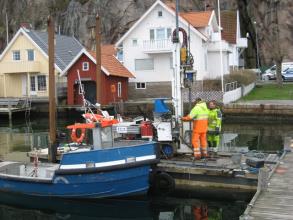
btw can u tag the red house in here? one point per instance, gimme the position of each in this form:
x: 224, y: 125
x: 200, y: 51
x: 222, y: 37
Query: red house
x: 114, y: 78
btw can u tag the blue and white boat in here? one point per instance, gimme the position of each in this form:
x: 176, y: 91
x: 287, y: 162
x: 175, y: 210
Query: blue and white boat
x: 103, y: 169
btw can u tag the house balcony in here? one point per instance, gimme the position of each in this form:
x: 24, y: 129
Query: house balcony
x: 157, y: 46
x: 216, y: 47
x: 242, y: 42
x: 20, y: 67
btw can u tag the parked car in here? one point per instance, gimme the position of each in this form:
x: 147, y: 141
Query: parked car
x: 288, y: 75
x: 270, y: 73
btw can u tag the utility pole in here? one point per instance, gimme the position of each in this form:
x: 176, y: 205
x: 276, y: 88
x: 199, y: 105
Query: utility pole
x: 98, y: 60
x: 7, y: 35
x: 52, y: 101
x: 256, y: 42
x: 177, y: 99
x: 221, y: 49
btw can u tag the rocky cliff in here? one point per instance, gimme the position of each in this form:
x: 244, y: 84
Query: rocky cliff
x: 77, y: 18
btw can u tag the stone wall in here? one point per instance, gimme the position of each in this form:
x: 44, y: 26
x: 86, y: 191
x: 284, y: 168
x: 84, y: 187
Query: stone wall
x: 152, y: 90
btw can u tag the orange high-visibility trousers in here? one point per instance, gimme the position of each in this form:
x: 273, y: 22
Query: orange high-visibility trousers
x: 199, y: 138
x: 200, y: 213
x: 199, y: 142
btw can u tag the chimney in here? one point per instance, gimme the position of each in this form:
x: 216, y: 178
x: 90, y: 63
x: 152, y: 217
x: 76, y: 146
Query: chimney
x: 26, y: 25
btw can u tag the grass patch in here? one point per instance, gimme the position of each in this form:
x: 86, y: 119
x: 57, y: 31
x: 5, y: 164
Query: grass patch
x: 270, y: 92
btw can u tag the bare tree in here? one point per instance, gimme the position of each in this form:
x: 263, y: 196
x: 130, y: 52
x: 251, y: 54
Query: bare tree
x: 274, y: 40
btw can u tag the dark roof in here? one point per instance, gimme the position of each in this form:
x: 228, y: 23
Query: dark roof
x: 66, y: 47
x: 229, y: 25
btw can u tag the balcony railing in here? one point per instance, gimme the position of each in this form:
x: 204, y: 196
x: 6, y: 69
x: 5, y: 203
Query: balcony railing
x: 157, y: 46
x: 215, y: 46
x: 19, y: 67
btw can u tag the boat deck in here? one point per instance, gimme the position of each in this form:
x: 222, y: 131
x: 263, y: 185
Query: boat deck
x: 18, y: 170
x: 274, y: 197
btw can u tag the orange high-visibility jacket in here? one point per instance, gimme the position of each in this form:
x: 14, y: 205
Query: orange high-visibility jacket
x: 199, y: 114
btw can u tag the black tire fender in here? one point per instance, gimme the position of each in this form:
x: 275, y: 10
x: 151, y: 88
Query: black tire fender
x: 163, y: 183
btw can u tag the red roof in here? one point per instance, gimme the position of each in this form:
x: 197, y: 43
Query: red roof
x: 229, y: 25
x: 110, y: 62
x: 197, y: 19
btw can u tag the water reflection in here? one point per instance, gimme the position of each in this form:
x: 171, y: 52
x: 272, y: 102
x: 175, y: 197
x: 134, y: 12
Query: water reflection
x: 25, y: 207
x: 260, y: 137
x: 192, y: 209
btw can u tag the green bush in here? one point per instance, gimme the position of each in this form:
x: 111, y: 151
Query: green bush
x: 243, y: 77
x: 212, y: 85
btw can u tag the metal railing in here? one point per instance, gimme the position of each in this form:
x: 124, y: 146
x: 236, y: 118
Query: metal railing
x: 231, y: 86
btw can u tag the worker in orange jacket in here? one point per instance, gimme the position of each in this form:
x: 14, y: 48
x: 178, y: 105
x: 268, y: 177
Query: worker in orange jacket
x: 199, y: 115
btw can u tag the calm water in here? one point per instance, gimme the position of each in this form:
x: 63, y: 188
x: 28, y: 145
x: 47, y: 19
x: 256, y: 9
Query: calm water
x: 23, y: 136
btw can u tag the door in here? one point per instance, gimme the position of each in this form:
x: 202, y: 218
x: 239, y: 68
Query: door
x: 90, y: 91
x: 24, y: 85
x: 33, y: 85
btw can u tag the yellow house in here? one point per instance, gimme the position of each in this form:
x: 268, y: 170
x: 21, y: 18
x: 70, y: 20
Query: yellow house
x: 24, y: 64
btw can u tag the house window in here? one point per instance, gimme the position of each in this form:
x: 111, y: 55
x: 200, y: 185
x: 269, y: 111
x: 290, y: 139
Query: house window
x: 134, y: 42
x: 160, y: 33
x: 30, y: 55
x: 169, y: 32
x: 16, y: 55
x: 85, y: 66
x: 42, y: 85
x: 160, y: 13
x: 152, y: 34
x: 144, y: 64
x: 119, y: 54
x: 119, y: 89
x: 140, y: 85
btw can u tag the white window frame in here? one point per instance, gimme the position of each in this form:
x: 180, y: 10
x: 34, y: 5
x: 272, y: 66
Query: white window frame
x: 144, y: 69
x: 165, y: 33
x: 28, y: 50
x: 14, y: 55
x: 39, y: 84
x: 119, y: 53
x: 85, y: 66
x: 119, y: 89
x: 33, y: 86
x: 140, y: 85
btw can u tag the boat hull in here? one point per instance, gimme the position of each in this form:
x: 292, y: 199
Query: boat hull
x: 116, y: 172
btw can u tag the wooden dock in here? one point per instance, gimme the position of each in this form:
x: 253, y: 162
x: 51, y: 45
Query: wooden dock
x: 219, y: 176
x: 13, y: 105
x: 274, y: 196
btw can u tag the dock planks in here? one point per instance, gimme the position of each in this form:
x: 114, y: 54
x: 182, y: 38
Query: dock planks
x: 276, y: 202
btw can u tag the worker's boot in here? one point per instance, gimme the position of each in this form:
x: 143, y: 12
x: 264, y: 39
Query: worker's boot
x: 196, y: 154
x: 204, y: 153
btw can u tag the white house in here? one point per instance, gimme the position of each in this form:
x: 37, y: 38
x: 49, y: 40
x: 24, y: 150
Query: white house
x: 146, y: 49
